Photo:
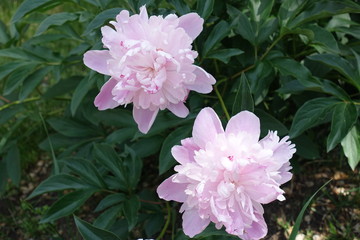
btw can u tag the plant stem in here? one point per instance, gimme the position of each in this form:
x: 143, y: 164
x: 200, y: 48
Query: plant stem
x: 33, y: 99
x: 166, y: 223
x: 222, y: 103
x: 261, y: 58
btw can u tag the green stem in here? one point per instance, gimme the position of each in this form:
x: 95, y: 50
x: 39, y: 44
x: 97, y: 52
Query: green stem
x: 33, y: 99
x: 166, y: 223
x: 271, y: 47
x: 222, y: 103
x: 56, y: 164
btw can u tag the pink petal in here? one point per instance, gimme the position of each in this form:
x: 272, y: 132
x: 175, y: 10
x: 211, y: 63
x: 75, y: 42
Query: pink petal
x: 97, y: 60
x: 257, y: 230
x: 192, y: 23
x: 143, y: 13
x: 104, y: 100
x: 207, y: 126
x: 192, y: 223
x: 144, y: 118
x: 171, y: 191
x: 179, y: 109
x: 245, y: 122
x: 203, y: 82
x: 185, y: 153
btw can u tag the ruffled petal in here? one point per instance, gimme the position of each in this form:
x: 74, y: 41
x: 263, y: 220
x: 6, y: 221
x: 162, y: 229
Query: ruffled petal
x: 207, y: 126
x: 179, y: 109
x: 171, y: 191
x: 244, y: 122
x: 192, y: 23
x: 97, y: 60
x: 192, y: 223
x: 143, y: 13
x: 104, y: 100
x: 204, y: 81
x: 144, y: 118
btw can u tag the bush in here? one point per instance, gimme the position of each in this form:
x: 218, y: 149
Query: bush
x: 295, y: 64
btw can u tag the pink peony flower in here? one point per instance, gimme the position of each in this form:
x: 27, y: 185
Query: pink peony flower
x: 150, y: 62
x: 225, y: 176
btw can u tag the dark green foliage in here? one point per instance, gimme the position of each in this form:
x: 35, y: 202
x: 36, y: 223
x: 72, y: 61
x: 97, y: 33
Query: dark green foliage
x: 294, y: 63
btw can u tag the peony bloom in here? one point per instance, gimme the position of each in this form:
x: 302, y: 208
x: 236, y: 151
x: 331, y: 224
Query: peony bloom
x: 150, y: 62
x: 225, y: 176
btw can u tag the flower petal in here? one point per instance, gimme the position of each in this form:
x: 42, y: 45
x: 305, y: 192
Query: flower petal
x: 185, y: 153
x: 192, y: 23
x: 179, y: 109
x: 144, y: 118
x: 97, y: 60
x: 245, y: 122
x: 192, y: 223
x: 171, y: 191
x: 104, y: 100
x: 204, y: 81
x: 206, y: 126
x: 143, y: 13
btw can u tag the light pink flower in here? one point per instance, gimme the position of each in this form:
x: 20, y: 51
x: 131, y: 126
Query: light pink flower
x: 225, y: 176
x: 150, y: 62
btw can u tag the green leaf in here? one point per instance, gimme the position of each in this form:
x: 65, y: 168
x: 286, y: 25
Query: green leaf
x: 86, y: 170
x: 8, y: 113
x: 13, y: 164
x: 224, y: 55
x: 56, y: 19
x: 16, y: 78
x: 148, y: 146
x: 323, y: 9
x: 289, y: 9
x: 268, y: 122
x: 10, y: 67
x: 121, y: 135
x: 58, y: 183
x: 260, y: 10
x: 32, y: 81
x: 166, y: 161
x: 310, y: 114
x: 339, y: 64
x: 29, y: 6
x: 245, y: 29
x: 64, y: 86
x: 81, y: 90
x: 131, y: 208
x: 301, y: 214
x: 306, y: 147
x: 101, y: 19
x: 90, y: 232
x: 4, y: 36
x: 343, y: 119
x: 351, y: 147
x: 266, y: 29
x: 243, y: 99
x: 323, y: 39
x: 108, y: 217
x: 3, y: 177
x: 181, y: 7
x: 108, y: 157
x: 204, y: 8
x: 110, y: 200
x: 219, y: 32
x: 20, y: 53
x: 71, y: 128
x: 66, y: 205
x: 260, y: 78
x: 133, y: 164
x: 288, y: 66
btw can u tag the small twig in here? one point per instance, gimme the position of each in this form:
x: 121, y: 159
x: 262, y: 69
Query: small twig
x: 166, y: 223
x: 5, y: 99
